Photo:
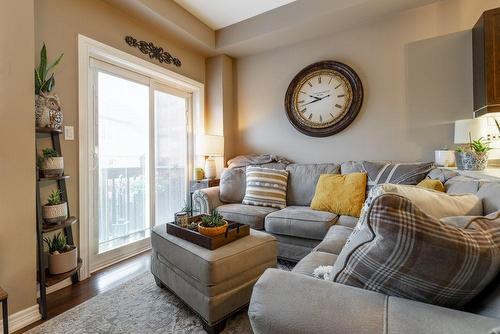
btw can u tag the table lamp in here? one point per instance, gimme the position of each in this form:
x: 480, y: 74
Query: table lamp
x: 210, y: 146
x: 467, y: 130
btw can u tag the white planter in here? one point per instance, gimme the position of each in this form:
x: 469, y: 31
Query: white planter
x: 53, y: 214
x: 52, y: 167
x: 444, y: 158
x: 63, y: 262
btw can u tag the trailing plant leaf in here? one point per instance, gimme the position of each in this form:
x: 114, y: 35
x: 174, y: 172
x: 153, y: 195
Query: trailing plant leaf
x: 54, y: 198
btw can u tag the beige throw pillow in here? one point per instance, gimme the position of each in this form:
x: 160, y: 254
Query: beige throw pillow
x: 433, y: 203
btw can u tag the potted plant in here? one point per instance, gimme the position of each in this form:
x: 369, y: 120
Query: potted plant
x: 55, y: 210
x: 473, y: 156
x: 212, y: 225
x: 50, y: 163
x: 47, y: 106
x: 62, y: 257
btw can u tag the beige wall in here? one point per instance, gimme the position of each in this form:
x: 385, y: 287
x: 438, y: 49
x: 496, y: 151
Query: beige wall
x: 58, y: 23
x: 219, y: 107
x: 416, y: 69
x: 17, y: 154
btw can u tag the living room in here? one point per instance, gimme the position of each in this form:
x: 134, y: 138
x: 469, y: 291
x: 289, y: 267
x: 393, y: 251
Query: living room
x: 265, y: 166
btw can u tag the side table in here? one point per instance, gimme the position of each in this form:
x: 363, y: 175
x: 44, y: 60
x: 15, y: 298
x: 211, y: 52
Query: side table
x: 5, y: 312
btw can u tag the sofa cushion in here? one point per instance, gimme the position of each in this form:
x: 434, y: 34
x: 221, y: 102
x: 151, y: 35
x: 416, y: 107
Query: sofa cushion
x: 489, y: 193
x: 340, y: 194
x: 347, y: 221
x: 389, y: 172
x: 300, y: 221
x: 266, y: 187
x: 462, y: 185
x: 334, y: 240
x: 232, y: 185
x: 312, y: 261
x: 400, y: 251
x: 442, y: 174
x: 302, y: 180
x: 245, y: 214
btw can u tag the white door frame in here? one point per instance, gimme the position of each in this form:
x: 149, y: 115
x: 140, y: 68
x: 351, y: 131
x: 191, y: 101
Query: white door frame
x: 87, y: 49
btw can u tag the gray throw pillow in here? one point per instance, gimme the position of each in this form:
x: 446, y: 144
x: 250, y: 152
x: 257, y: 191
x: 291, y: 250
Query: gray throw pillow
x: 232, y: 185
x: 400, y: 251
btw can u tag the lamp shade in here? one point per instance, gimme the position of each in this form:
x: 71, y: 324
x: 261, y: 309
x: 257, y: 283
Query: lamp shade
x: 476, y: 127
x: 210, y: 145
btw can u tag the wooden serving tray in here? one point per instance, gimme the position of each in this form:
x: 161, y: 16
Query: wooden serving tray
x: 234, y: 232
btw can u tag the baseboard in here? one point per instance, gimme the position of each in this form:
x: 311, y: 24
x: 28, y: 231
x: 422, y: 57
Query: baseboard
x: 23, y: 318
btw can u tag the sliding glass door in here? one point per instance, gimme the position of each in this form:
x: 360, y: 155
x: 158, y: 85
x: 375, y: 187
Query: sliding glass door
x: 141, y: 138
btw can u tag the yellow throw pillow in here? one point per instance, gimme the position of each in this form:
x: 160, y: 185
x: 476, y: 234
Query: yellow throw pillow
x: 340, y: 194
x: 431, y: 184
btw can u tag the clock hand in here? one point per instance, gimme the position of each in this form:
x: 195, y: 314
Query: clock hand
x: 317, y: 99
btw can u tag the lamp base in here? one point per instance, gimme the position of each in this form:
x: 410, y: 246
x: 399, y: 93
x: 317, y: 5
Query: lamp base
x: 210, y: 168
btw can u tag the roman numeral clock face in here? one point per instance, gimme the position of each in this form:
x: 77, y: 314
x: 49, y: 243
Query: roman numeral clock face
x: 323, y: 98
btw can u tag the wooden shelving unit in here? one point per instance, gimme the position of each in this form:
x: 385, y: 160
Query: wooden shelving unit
x: 45, y: 279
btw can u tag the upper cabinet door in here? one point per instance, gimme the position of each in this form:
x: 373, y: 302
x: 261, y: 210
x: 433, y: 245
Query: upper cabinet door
x: 486, y: 55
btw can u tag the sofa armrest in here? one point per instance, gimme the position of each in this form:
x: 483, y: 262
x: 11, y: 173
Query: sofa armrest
x: 287, y: 302
x: 206, y: 200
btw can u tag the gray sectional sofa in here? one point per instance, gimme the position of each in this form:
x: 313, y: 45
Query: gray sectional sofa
x: 316, y: 238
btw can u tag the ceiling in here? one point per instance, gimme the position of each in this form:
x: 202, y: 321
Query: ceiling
x: 243, y: 27
x: 218, y: 14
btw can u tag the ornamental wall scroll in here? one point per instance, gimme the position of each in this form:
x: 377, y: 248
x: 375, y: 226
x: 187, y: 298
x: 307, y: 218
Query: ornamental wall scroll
x: 153, y: 51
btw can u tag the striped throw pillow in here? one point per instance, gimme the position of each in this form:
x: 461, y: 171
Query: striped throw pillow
x: 266, y: 187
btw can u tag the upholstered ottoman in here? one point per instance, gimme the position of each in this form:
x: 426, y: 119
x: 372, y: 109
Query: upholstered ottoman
x: 214, y: 283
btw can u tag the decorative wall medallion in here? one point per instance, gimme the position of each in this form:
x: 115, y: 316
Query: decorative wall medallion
x: 324, y: 98
x: 153, y: 51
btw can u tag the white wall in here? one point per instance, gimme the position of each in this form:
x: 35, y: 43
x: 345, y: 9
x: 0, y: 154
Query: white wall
x: 416, y: 68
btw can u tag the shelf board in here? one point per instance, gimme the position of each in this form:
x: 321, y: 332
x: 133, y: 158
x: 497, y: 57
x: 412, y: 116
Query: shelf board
x: 53, y: 178
x: 48, y: 130
x: 54, y: 227
x: 54, y: 279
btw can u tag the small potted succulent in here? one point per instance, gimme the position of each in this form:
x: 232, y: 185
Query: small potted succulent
x: 182, y: 217
x: 55, y: 211
x: 473, y: 156
x: 62, y: 257
x: 50, y: 163
x: 212, y: 225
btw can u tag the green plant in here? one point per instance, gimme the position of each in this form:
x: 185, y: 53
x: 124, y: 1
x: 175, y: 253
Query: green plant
x: 49, y: 153
x: 213, y: 220
x: 460, y: 149
x: 42, y: 83
x: 57, y: 244
x: 54, y: 197
x: 187, y: 208
x: 480, y: 145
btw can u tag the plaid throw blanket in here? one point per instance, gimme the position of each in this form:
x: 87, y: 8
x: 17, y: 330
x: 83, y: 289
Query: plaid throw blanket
x: 400, y: 251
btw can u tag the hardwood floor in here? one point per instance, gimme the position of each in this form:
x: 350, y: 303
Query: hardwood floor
x: 99, y: 282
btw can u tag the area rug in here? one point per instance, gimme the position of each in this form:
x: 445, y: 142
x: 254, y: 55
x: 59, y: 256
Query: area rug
x: 137, y: 306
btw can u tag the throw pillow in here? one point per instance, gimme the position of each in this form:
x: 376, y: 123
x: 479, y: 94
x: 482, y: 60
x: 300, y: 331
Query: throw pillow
x: 433, y: 203
x: 401, y: 251
x: 266, y: 187
x: 232, y: 185
x: 389, y: 172
x: 432, y: 184
x: 340, y: 194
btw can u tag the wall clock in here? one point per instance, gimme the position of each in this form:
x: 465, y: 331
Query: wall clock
x: 324, y: 98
